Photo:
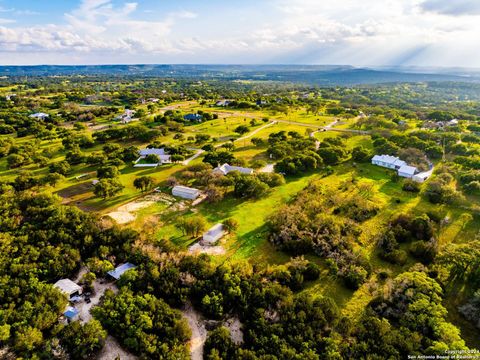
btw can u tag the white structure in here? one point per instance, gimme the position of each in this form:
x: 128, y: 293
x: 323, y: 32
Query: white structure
x: 68, y: 287
x: 394, y: 163
x: 223, y: 103
x: 120, y: 270
x: 421, y: 177
x: 452, y: 122
x: 225, y: 169
x: 185, y: 192
x: 213, y: 235
x: 407, y: 171
x: 163, y: 157
x: 40, y: 116
x: 126, y: 117
x: 391, y: 162
x: 10, y: 96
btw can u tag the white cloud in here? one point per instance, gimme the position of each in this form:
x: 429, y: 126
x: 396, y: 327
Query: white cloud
x: 370, y: 32
x: 452, y: 7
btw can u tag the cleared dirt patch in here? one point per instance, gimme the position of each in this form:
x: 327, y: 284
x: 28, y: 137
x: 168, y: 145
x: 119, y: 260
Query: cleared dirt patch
x: 112, y: 351
x: 235, y: 327
x: 127, y: 213
x: 206, y: 249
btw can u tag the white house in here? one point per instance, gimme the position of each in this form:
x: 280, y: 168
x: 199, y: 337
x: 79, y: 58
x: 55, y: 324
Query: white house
x: 453, y: 122
x: 10, y: 96
x: 214, y: 234
x: 407, y: 171
x: 40, y: 116
x: 163, y: 157
x: 126, y: 117
x: 223, y: 103
x: 185, y: 192
x: 225, y: 169
x: 68, y: 287
x: 387, y: 161
x: 394, y: 163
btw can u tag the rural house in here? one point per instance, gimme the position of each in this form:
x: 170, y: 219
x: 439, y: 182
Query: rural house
x: 387, y: 161
x: 225, y: 169
x: 163, y: 157
x: 394, y: 163
x: 185, y: 192
x: 39, y: 116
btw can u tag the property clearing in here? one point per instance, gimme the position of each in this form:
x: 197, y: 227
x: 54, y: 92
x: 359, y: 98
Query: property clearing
x: 127, y: 213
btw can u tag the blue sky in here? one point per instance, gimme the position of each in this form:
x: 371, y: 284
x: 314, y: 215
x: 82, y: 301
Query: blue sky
x: 362, y: 33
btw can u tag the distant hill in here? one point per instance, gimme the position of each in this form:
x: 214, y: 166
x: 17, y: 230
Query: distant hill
x: 308, y: 74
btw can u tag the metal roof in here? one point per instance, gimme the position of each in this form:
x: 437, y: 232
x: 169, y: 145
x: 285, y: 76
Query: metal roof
x: 120, y: 270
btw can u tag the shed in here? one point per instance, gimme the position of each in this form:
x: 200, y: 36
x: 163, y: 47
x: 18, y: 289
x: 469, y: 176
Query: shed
x: 68, y: 287
x: 185, y: 192
x: 214, y: 234
x: 120, y: 270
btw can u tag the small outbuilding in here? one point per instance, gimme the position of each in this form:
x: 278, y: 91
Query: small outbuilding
x: 185, y: 192
x: 120, y: 270
x: 214, y: 234
x: 68, y: 287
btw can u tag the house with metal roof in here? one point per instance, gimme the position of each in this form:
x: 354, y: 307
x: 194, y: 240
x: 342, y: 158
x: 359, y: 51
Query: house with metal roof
x: 214, y: 234
x: 163, y: 157
x: 68, y: 287
x: 391, y: 162
x: 120, y: 270
x: 185, y: 192
x: 394, y: 163
x: 226, y: 168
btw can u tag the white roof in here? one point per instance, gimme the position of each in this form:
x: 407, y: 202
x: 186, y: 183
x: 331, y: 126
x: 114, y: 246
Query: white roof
x: 67, y: 286
x: 120, y: 270
x: 214, y: 230
x: 225, y: 169
x: 39, y: 115
x: 406, y: 169
x: 393, y: 160
x: 154, y: 151
x: 184, y: 189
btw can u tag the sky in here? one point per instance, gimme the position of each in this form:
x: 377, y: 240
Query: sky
x: 345, y: 32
